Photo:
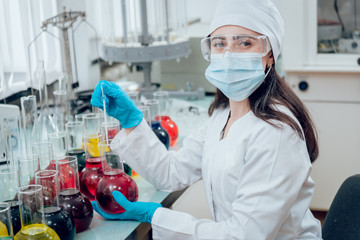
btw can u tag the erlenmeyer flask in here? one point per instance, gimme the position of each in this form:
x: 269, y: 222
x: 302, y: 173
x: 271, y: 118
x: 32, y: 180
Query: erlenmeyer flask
x: 92, y: 173
x: 46, y: 124
x: 6, y: 229
x: 75, y: 135
x: 32, y: 215
x: 71, y: 200
x: 159, y: 131
x: 114, y: 179
x: 166, y: 122
x: 9, y: 184
x: 56, y: 218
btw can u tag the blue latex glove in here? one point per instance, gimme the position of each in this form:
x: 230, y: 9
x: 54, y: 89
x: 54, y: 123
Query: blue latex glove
x: 139, y: 211
x: 118, y: 104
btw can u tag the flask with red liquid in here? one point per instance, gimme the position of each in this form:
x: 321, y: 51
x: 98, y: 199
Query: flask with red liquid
x: 71, y: 199
x: 114, y: 179
x: 164, y: 115
x: 92, y: 173
x: 59, y: 220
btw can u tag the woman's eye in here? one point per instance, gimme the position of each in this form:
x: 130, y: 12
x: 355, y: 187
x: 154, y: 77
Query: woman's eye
x: 218, y: 44
x: 244, y: 44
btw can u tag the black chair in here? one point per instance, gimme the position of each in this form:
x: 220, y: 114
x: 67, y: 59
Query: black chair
x: 342, y: 222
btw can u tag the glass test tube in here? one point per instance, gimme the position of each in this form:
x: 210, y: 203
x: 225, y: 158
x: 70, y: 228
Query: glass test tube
x: 29, y: 121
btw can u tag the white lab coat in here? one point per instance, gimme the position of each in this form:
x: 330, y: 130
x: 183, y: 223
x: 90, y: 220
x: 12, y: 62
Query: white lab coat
x: 257, y: 179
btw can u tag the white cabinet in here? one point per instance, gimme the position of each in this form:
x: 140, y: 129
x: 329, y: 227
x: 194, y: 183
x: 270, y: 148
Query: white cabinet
x: 314, y: 54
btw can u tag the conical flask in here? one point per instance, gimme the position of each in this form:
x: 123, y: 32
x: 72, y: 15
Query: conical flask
x: 46, y: 124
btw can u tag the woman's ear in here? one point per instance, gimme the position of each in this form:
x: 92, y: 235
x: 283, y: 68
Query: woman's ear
x: 270, y: 60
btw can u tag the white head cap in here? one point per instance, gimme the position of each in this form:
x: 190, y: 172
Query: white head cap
x: 257, y: 15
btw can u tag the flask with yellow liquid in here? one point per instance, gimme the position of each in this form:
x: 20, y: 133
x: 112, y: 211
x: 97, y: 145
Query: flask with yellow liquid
x: 6, y: 231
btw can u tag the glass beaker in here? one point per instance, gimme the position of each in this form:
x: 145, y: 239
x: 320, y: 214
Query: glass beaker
x: 92, y: 123
x: 59, y: 144
x: 92, y: 173
x: 6, y: 229
x: 29, y: 121
x: 46, y: 124
x: 112, y: 128
x: 75, y: 135
x: 159, y: 131
x: 9, y: 184
x: 46, y: 156
x: 166, y: 122
x: 28, y: 165
x: 56, y: 218
x: 71, y: 199
x: 32, y: 215
x: 79, y: 117
x: 114, y: 179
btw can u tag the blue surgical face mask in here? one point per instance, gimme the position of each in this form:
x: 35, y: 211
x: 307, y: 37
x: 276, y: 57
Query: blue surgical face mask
x: 235, y: 75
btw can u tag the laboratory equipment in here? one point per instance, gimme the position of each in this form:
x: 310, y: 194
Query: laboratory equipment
x: 28, y: 166
x: 92, y: 173
x: 6, y: 229
x: 56, y: 218
x: 112, y: 128
x: 166, y: 122
x: 59, y: 142
x: 29, y: 121
x: 71, y: 199
x: 46, y: 123
x: 114, y: 179
x: 134, y: 96
x: 61, y: 114
x: 5, y: 145
x: 75, y: 135
x: 159, y: 131
x: 92, y: 122
x: 146, y: 111
x: 148, y: 31
x: 32, y: 215
x: 46, y: 157
x: 9, y: 184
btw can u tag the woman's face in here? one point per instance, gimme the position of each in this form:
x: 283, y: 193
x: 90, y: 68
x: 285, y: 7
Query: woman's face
x: 267, y: 60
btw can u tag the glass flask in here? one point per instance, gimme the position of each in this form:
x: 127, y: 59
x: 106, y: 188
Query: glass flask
x: 9, y: 184
x: 28, y: 165
x: 46, y: 157
x: 159, y: 131
x: 32, y: 215
x: 92, y: 123
x: 56, y: 218
x: 71, y: 199
x: 114, y: 179
x: 29, y: 121
x: 6, y: 229
x: 112, y: 129
x: 92, y: 173
x: 166, y: 122
x: 75, y: 135
x: 46, y: 124
x: 59, y: 144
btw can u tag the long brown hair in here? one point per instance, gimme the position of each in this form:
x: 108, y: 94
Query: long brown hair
x: 274, y: 90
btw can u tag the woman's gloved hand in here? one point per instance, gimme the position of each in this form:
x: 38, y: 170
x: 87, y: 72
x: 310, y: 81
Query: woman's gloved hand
x: 139, y: 211
x: 118, y: 104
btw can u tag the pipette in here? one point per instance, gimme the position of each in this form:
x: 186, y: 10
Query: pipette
x: 105, y: 118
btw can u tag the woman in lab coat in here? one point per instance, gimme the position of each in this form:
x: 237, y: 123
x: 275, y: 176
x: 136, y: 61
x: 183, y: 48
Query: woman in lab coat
x: 254, y: 153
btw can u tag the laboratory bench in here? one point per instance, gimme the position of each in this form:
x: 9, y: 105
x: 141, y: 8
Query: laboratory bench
x: 100, y: 228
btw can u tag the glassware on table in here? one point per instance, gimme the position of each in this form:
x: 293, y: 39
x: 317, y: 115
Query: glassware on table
x: 71, y: 199
x: 28, y: 165
x: 29, y: 121
x: 79, y: 117
x: 166, y: 122
x: 134, y: 96
x: 9, y: 184
x: 114, y: 179
x: 92, y: 123
x: 75, y: 135
x: 46, y: 123
x: 46, y: 156
x: 92, y: 173
x: 59, y: 220
x: 146, y: 111
x: 32, y: 215
x: 59, y: 144
x: 6, y: 229
x: 159, y: 131
x: 62, y: 113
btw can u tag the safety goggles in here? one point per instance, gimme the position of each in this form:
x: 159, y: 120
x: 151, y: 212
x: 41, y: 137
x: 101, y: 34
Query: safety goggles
x: 250, y: 45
